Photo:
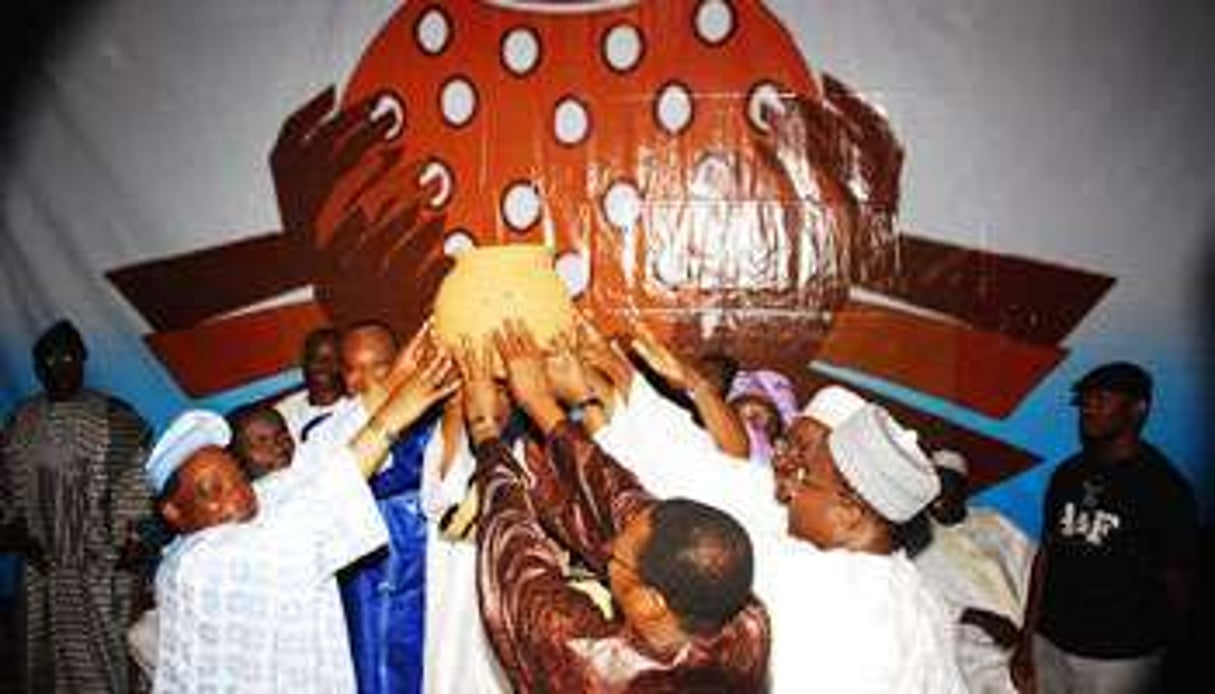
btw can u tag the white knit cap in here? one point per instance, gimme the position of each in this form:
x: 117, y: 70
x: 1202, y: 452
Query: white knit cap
x: 192, y: 431
x: 951, y: 460
x: 831, y: 405
x: 883, y: 463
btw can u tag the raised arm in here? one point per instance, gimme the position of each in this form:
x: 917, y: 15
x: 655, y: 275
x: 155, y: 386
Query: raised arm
x: 529, y: 612
x: 421, y: 377
x: 584, y: 496
x: 719, y: 418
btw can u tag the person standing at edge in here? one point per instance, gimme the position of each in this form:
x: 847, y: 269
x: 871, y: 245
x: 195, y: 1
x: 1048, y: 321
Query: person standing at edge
x: 71, y: 497
x: 1113, y: 577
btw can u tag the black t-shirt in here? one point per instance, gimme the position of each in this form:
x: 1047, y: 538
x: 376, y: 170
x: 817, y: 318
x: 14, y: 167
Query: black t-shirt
x: 1109, y: 532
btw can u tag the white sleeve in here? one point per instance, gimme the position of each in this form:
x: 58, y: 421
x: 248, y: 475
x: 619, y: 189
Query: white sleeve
x: 342, y: 426
x: 336, y: 507
x: 672, y: 457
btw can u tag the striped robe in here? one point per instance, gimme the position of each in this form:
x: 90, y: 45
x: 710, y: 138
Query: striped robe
x: 72, y: 472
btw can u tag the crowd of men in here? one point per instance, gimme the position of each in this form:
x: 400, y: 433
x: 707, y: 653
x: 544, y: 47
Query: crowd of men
x: 514, y: 515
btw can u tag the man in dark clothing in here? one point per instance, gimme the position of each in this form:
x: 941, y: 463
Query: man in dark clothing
x: 1113, y: 578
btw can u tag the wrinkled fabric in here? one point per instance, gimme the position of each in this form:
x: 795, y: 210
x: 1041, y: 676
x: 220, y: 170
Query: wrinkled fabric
x: 550, y: 636
x: 384, y: 594
x: 982, y: 562
x: 857, y: 623
x: 464, y: 665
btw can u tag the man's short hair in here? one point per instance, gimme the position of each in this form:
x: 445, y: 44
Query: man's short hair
x: 318, y: 337
x: 700, y: 559
x: 243, y: 415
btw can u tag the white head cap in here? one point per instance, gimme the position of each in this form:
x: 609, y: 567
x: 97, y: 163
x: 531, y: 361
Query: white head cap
x: 831, y: 405
x: 883, y: 463
x: 192, y: 431
x: 951, y: 460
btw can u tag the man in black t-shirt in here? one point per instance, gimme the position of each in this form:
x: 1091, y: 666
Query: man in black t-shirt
x: 1112, y: 580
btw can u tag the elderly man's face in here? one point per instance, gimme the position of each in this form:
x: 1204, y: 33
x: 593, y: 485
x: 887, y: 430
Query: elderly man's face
x: 211, y: 490
x: 808, y: 483
x: 800, y: 441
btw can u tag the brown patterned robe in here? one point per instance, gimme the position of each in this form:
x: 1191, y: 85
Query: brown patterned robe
x: 550, y: 637
x: 72, y: 472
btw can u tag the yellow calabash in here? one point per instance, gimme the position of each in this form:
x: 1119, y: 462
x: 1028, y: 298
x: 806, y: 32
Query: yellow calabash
x: 490, y: 284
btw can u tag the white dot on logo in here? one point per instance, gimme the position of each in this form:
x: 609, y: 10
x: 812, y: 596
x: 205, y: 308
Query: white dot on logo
x: 437, y: 171
x: 570, y: 121
x: 622, y: 205
x: 389, y: 104
x: 574, y: 271
x: 521, y: 206
x: 669, y: 269
x: 622, y: 47
x: 714, y: 21
x: 457, y: 242
x: 521, y: 51
x: 765, y: 98
x: 458, y: 101
x: 674, y: 108
x: 432, y: 32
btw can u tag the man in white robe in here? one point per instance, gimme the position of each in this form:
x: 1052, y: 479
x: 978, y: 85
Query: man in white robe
x: 979, y: 562
x: 247, y: 597
x: 849, y: 611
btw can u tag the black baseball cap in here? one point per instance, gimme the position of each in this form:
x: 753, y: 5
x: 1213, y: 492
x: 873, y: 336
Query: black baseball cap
x: 1116, y: 377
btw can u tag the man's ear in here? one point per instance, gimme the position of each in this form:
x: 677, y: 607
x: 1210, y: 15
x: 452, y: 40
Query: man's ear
x: 172, y: 514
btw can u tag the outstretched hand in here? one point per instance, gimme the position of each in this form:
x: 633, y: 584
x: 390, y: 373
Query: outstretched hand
x: 601, y: 355
x: 566, y: 373
x: 316, y: 147
x: 663, y: 361
x: 529, y: 385
x: 432, y: 378
x: 479, y: 389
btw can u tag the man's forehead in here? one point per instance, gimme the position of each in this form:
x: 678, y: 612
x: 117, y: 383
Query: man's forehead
x: 206, y: 460
x: 807, y: 429
x: 375, y: 341
x: 330, y: 344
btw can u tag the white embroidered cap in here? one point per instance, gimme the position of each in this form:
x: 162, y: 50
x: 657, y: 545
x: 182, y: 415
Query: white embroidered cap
x: 831, y: 405
x: 883, y: 463
x: 192, y: 431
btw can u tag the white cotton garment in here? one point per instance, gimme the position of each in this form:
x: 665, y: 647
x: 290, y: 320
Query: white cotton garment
x: 673, y: 457
x: 457, y: 655
x: 254, y: 607
x: 857, y: 623
x: 300, y: 414
x: 982, y: 562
